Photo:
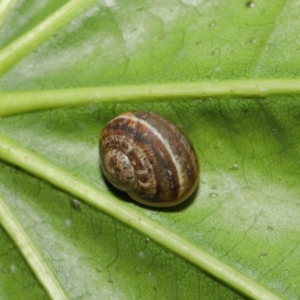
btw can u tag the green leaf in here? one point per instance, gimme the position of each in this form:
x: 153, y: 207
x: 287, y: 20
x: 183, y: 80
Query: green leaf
x: 225, y: 73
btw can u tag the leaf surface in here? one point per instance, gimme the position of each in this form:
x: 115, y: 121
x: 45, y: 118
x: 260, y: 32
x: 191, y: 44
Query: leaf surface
x: 237, y: 237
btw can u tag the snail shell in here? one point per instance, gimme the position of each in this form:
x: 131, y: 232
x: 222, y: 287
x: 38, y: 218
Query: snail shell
x: 148, y: 157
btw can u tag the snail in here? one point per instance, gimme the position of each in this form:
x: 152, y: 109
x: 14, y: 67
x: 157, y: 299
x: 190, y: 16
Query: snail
x: 148, y: 157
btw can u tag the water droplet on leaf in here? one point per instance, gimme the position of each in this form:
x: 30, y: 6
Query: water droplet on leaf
x: 213, y: 195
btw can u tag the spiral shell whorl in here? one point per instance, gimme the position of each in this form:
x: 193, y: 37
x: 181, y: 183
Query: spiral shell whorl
x: 166, y: 169
x: 119, y: 170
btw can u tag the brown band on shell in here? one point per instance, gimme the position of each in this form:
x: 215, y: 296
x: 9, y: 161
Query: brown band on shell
x: 182, y: 150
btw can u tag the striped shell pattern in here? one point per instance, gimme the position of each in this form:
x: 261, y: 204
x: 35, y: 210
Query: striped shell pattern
x: 148, y: 157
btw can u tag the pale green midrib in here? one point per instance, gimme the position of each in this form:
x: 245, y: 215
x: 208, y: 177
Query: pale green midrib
x: 17, y: 155
x: 20, y: 102
x: 31, y: 254
x: 16, y: 50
